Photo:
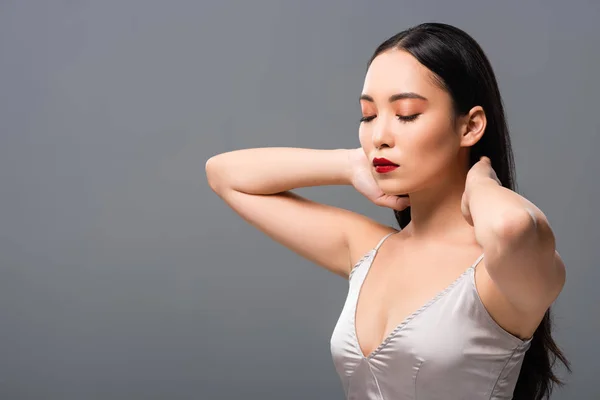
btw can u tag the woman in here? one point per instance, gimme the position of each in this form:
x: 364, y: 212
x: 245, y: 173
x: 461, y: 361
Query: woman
x: 456, y: 304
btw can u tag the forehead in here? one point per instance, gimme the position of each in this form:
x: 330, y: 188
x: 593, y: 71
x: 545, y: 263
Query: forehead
x: 398, y: 71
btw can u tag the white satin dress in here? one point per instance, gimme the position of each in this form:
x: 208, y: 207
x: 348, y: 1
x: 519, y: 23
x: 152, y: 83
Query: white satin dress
x: 448, y: 349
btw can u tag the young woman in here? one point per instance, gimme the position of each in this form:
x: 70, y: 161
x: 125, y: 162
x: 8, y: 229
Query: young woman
x: 456, y: 304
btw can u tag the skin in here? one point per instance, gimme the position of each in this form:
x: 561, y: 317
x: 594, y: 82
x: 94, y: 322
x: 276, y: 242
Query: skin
x: 457, y: 212
x: 521, y: 273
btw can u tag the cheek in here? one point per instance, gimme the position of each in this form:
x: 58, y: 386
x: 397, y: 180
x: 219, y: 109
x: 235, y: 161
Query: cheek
x: 432, y: 147
x: 363, y: 137
x: 433, y: 144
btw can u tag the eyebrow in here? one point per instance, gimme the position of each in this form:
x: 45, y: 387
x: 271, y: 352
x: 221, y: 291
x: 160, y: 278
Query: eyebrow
x: 396, y: 97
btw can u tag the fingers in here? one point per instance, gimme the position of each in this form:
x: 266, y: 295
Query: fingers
x: 394, y: 202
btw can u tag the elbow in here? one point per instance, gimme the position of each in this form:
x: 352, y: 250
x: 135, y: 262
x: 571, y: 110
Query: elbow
x: 513, y: 225
x: 524, y: 226
x: 212, y: 175
x: 560, y: 274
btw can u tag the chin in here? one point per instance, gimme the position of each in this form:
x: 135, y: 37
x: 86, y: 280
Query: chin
x: 394, y: 188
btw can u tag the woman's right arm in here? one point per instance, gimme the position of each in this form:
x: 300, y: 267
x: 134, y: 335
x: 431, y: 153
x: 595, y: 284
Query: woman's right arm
x: 256, y: 184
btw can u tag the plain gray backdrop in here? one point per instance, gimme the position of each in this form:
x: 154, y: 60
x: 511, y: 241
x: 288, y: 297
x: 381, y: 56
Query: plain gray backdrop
x: 122, y: 276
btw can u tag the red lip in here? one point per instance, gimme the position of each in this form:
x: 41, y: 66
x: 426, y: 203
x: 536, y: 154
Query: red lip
x: 382, y: 169
x: 383, y: 165
x: 383, y: 162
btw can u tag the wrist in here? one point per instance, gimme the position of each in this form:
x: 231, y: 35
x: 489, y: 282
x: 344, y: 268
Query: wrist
x: 479, y: 183
x: 352, y: 159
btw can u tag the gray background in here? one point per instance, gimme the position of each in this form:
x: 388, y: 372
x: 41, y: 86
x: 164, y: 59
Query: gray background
x: 122, y: 276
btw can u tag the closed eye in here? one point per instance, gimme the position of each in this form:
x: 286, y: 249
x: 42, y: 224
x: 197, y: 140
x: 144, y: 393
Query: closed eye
x: 367, y: 119
x: 403, y: 118
x: 408, y: 118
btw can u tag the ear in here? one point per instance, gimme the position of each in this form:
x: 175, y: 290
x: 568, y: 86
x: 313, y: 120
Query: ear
x: 472, y: 126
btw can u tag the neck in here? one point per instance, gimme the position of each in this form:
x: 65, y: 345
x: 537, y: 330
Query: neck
x: 436, y: 211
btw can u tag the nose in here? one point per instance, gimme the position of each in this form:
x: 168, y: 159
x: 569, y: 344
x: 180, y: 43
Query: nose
x: 382, y: 133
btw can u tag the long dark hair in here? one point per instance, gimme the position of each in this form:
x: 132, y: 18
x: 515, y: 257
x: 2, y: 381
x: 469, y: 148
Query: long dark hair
x: 462, y: 69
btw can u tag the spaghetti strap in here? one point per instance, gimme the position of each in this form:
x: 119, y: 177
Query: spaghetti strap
x: 477, y: 261
x: 383, y: 240
x: 370, y: 253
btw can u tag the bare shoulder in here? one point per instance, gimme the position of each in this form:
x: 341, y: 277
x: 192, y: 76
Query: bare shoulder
x: 364, y: 236
x: 512, y: 319
x: 331, y: 237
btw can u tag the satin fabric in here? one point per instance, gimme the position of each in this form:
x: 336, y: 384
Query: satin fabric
x: 450, y: 348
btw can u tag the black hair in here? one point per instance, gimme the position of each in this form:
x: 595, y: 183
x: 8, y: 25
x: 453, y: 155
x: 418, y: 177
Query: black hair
x: 460, y: 67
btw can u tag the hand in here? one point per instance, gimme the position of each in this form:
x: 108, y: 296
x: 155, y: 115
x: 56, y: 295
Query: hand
x: 482, y: 171
x: 362, y: 179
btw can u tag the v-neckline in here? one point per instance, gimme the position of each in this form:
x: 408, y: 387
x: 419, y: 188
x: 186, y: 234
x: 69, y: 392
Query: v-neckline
x: 409, y: 317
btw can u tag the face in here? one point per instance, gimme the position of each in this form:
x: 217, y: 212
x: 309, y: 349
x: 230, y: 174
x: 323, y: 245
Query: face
x: 408, y: 120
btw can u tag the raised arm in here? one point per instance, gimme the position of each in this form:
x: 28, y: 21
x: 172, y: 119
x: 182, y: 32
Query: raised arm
x: 256, y: 183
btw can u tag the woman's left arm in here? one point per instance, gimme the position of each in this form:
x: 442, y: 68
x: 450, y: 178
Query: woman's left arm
x: 518, y: 243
